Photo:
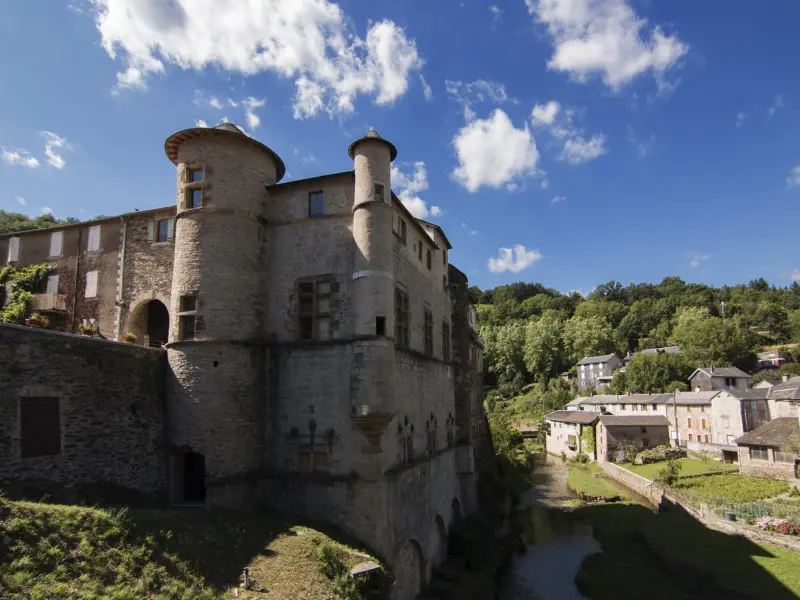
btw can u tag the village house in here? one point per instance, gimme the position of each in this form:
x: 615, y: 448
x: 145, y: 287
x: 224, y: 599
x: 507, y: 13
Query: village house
x: 565, y: 430
x: 718, y: 378
x: 623, y: 404
x: 597, y: 371
x: 614, y: 433
x: 689, y: 415
x: 772, y: 450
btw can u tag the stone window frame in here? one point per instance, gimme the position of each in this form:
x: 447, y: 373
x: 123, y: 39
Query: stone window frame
x: 759, y: 449
x: 427, y: 328
x: 170, y: 231
x: 311, y: 196
x: 402, y: 317
x: 321, y: 296
x: 187, y: 314
x: 446, y: 341
x: 378, y: 197
x: 190, y: 185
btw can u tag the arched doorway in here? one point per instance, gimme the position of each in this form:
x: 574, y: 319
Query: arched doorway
x: 194, y: 478
x: 438, y: 545
x: 151, y: 319
x: 409, y: 570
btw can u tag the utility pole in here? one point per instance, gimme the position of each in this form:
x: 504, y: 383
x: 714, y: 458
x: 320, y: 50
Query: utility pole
x: 675, y: 416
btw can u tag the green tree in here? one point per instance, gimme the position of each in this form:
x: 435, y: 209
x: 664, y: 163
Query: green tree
x: 643, y: 317
x: 613, y: 312
x: 587, y: 336
x: 619, y: 383
x: 544, y: 347
x: 504, y: 350
x: 647, y: 374
x: 774, y: 318
x: 713, y: 341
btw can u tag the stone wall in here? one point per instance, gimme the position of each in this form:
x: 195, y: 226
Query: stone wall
x: 111, y: 406
x: 640, y: 485
x: 764, y: 468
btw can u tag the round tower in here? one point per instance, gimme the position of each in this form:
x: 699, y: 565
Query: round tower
x: 373, y: 287
x: 215, y: 398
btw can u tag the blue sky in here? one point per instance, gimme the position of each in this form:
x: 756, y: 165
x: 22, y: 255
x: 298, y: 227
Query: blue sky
x: 564, y: 141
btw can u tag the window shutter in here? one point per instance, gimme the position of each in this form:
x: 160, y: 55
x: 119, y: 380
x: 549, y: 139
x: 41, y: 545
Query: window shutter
x: 13, y: 249
x: 56, y: 239
x: 151, y: 230
x: 94, y: 238
x: 171, y: 229
x: 91, y: 284
x: 52, y: 284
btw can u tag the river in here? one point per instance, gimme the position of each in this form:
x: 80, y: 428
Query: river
x: 557, y: 540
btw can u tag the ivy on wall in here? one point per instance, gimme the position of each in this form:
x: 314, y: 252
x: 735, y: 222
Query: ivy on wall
x: 587, y: 439
x: 25, y: 281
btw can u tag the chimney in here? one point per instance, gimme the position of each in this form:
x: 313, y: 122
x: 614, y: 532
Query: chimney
x: 712, y: 368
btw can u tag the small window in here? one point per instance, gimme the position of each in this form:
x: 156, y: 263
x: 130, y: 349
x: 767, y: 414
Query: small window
x: 13, y: 249
x: 428, y: 260
x: 93, y: 242
x: 188, y: 317
x: 380, y: 326
x: 195, y: 175
x: 187, y: 325
x: 428, y: 323
x: 56, y: 243
x: 703, y: 424
x: 188, y: 303
x: 784, y: 457
x: 40, y: 427
x: 403, y: 237
x: 689, y: 423
x: 52, y: 284
x: 444, y: 257
x: 91, y: 285
x: 726, y: 421
x: 622, y: 407
x: 644, y: 407
x: 401, y: 318
x: 759, y: 453
x: 195, y: 198
x: 688, y: 409
x: 419, y: 250
x: 314, y: 310
x: 378, y: 192
x: 653, y: 406
x: 316, y: 204
x: 643, y: 429
x: 445, y: 341
x: 163, y: 230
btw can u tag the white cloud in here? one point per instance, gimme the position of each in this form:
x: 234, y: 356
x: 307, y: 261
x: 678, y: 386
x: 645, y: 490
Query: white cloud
x: 545, y: 114
x: 776, y: 105
x: 578, y: 150
x: 643, y: 147
x: 695, y: 258
x: 53, y: 142
x: 492, y: 152
x: 250, y: 105
x: 497, y: 13
x: 557, y: 199
x: 21, y: 200
x: 740, y: 117
x: 794, y: 177
x: 477, y: 92
x: 21, y: 158
x: 426, y: 89
x: 200, y: 123
x: 469, y: 231
x: 46, y: 210
x: 309, y: 41
x: 515, y: 260
x: 795, y: 275
x: 408, y: 186
x: 605, y: 37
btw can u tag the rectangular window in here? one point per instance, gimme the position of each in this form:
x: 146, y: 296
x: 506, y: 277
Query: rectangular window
x: 726, y: 421
x: 13, y: 249
x: 445, y: 341
x: 401, y: 318
x: 378, y: 192
x: 195, y: 175
x: 380, y: 326
x: 653, y: 406
x: 40, y: 427
x: 187, y: 322
x: 316, y: 204
x: 643, y: 429
x: 52, y: 284
x: 705, y: 438
x: 162, y: 230
x: 690, y: 437
x: 688, y: 409
x: 419, y: 250
x: 703, y: 424
x: 784, y: 457
x: 314, y: 298
x: 622, y: 407
x: 403, y: 237
x: 689, y: 423
x: 428, y: 260
x: 93, y: 242
x: 428, y: 329
x: 634, y: 407
x: 56, y: 243
x: 644, y: 407
x: 91, y: 285
x: 730, y: 381
x: 759, y: 453
x: 195, y: 199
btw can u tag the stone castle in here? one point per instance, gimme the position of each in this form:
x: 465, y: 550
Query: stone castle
x: 302, y: 345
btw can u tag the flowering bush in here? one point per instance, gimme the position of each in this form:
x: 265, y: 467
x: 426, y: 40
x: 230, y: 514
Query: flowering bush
x: 776, y: 525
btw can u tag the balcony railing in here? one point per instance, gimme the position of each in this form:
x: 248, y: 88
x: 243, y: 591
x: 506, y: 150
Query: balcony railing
x: 54, y: 302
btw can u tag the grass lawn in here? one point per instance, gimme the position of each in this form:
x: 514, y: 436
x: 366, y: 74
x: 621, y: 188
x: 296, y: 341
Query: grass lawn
x: 689, y: 466
x: 79, y: 553
x: 730, y: 488
x: 583, y: 481
x: 666, y: 556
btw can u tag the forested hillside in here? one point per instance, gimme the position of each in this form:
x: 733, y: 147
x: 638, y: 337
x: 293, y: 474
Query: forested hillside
x: 533, y: 333
x: 11, y: 222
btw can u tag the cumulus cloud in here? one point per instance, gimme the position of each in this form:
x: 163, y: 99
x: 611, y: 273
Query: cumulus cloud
x: 476, y: 92
x: 52, y: 144
x: 545, y: 114
x: 200, y: 123
x: 793, y: 180
x: 492, y: 152
x: 250, y: 105
x: 309, y: 41
x: 426, y: 89
x: 21, y: 200
x: 21, y: 158
x: 557, y: 199
x: 409, y: 185
x: 605, y: 38
x: 578, y: 150
x: 514, y: 259
x: 696, y: 258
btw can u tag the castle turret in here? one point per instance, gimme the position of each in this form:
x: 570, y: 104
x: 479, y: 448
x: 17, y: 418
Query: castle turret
x: 216, y: 408
x: 372, y: 378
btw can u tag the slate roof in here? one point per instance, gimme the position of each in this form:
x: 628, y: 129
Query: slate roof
x: 655, y: 352
x: 577, y: 417
x: 751, y: 394
x: 785, y: 390
x: 720, y: 372
x: 620, y: 399
x: 620, y: 420
x: 778, y: 433
x: 590, y: 360
x: 694, y: 398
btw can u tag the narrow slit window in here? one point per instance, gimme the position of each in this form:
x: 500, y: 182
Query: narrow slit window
x: 401, y: 318
x: 428, y: 323
x: 403, y: 237
x: 380, y: 326
x: 445, y: 341
x: 378, y: 192
x: 188, y: 317
x: 316, y: 204
x: 428, y: 260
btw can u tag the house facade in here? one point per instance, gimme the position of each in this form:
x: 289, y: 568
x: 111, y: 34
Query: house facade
x: 565, y: 430
x: 596, y: 371
x: 772, y: 450
x: 614, y: 433
x: 719, y: 378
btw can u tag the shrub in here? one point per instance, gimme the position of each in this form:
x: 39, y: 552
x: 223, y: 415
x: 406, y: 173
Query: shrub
x: 669, y: 474
x: 40, y: 318
x: 660, y: 454
x: 129, y: 336
x: 630, y: 453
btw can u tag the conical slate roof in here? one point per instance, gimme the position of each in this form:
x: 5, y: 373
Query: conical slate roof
x: 372, y: 135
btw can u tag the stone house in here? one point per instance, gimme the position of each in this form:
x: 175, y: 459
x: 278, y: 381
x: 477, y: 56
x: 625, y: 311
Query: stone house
x: 623, y: 404
x: 596, y: 371
x: 613, y: 433
x: 690, y: 417
x: 316, y: 351
x: 566, y: 428
x: 719, y: 378
x: 772, y: 450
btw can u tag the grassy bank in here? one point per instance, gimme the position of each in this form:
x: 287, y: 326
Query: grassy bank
x: 590, y: 484
x: 689, y: 467
x: 54, y: 552
x: 671, y: 557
